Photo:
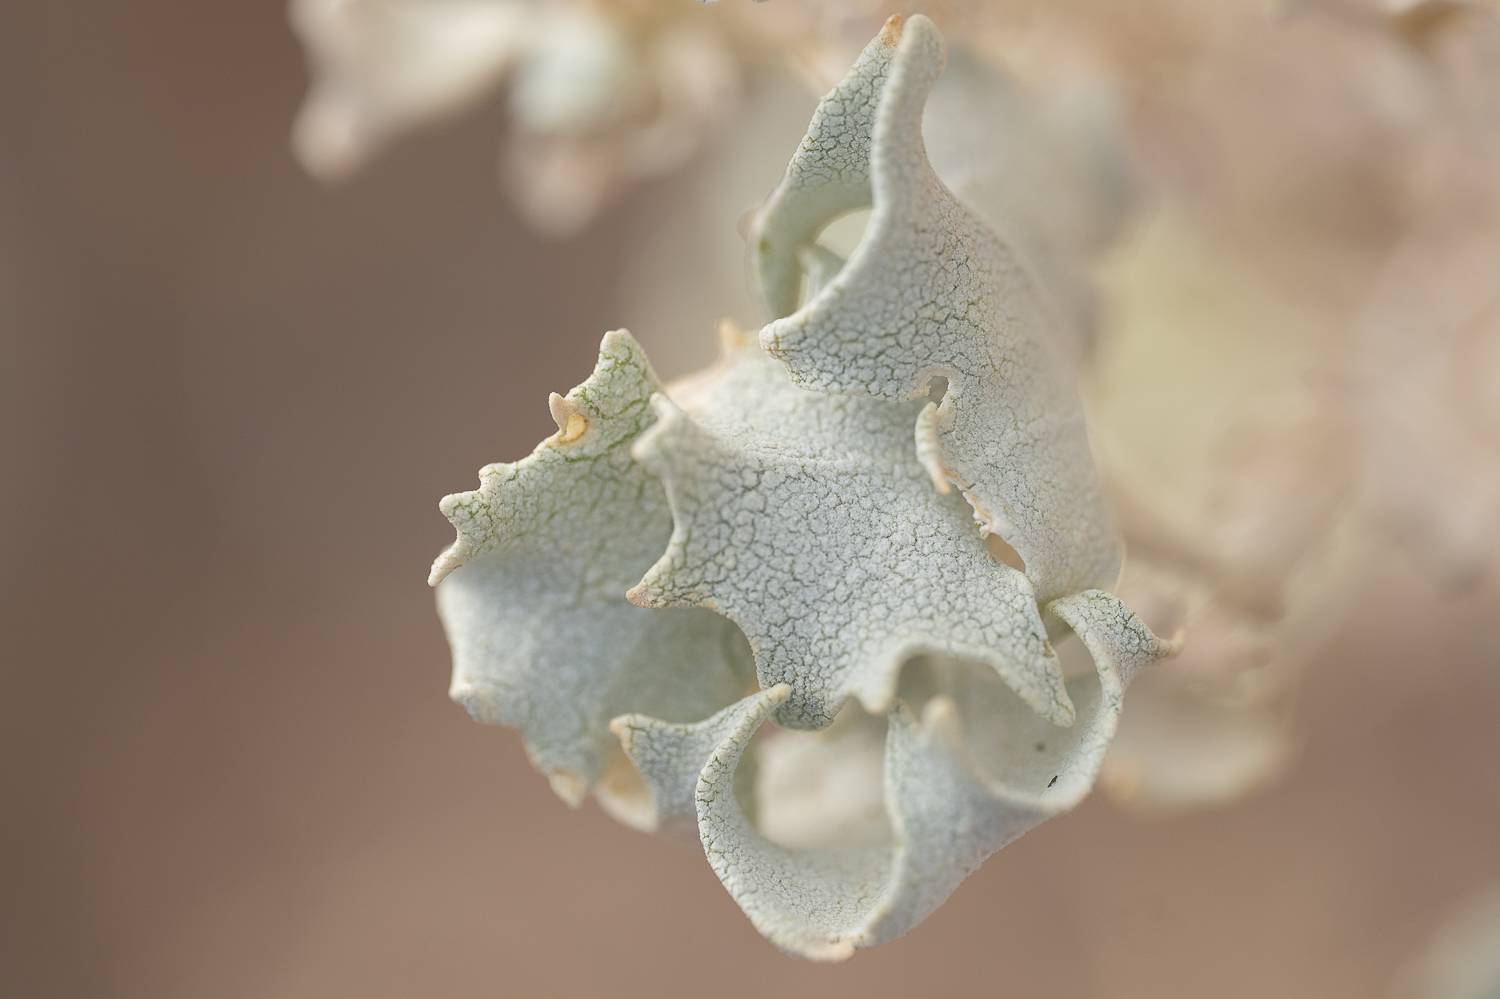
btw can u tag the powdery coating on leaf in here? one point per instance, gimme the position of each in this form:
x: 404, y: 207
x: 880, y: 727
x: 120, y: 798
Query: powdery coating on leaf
x: 828, y: 177
x: 997, y: 141
x: 669, y: 757
x: 806, y: 519
x: 930, y: 293
x: 532, y: 593
x: 951, y: 800
x: 970, y: 779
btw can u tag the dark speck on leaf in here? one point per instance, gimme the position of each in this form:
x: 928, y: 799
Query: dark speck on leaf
x: 1041, y: 746
x: 1052, y: 781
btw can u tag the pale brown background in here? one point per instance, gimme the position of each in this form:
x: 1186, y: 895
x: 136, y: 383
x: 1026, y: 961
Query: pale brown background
x: 231, y: 400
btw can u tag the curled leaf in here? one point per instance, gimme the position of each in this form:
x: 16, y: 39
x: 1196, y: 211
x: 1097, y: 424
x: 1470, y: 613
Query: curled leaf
x: 806, y: 519
x: 952, y: 797
x: 930, y: 296
x: 795, y: 498
x: 532, y: 592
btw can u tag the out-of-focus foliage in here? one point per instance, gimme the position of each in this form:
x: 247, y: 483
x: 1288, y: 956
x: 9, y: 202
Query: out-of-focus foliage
x: 1462, y: 960
x: 601, y: 95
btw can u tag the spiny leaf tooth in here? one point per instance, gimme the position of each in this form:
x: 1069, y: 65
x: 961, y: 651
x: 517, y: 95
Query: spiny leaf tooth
x: 661, y: 588
x: 472, y: 515
x: 571, y: 421
x: 570, y: 787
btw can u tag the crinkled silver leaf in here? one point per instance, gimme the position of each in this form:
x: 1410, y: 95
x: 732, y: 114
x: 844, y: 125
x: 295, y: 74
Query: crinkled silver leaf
x: 532, y: 593
x: 972, y: 773
x: 806, y: 519
x: 931, y: 294
x: 803, y: 509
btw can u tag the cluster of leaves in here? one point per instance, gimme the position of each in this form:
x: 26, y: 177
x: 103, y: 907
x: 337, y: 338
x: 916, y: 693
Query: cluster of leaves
x: 778, y: 544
